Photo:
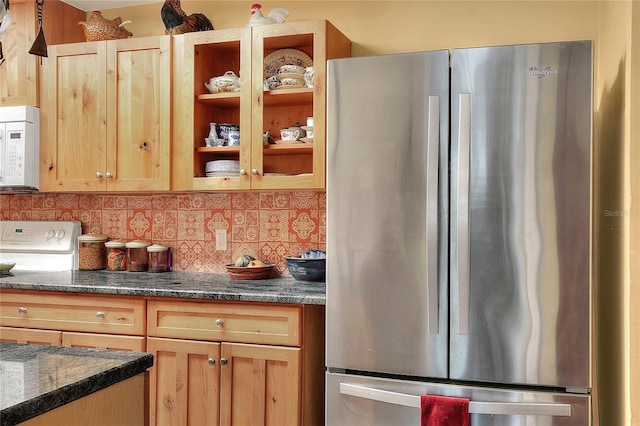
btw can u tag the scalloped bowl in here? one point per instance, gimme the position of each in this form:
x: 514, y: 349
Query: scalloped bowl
x: 247, y: 273
x: 305, y: 269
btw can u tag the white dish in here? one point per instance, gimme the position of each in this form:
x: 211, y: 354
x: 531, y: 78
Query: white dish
x: 297, y: 86
x: 282, y: 142
x: 297, y: 76
x: 307, y: 140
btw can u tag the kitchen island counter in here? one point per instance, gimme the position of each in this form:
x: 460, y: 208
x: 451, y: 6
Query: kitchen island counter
x: 188, y: 285
x: 37, y: 378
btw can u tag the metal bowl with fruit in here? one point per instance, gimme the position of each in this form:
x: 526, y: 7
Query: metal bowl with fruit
x: 310, y: 266
x: 248, y: 267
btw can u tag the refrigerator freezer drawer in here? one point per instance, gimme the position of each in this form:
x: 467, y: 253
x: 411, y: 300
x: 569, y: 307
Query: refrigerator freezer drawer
x: 359, y: 400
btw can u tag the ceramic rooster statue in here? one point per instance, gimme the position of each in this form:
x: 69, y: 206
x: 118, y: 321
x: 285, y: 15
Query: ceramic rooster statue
x: 100, y: 28
x: 176, y: 21
x: 276, y: 16
x: 5, y: 16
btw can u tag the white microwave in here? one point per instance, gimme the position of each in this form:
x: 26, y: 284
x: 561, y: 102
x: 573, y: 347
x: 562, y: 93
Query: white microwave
x: 19, y: 149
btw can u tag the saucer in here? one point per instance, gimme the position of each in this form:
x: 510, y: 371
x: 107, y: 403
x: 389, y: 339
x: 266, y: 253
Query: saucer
x: 307, y: 140
x: 282, y: 142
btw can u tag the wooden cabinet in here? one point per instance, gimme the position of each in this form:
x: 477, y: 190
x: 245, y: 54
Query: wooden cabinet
x: 184, y: 382
x: 243, y: 51
x: 215, y: 362
x: 122, y: 403
x: 19, y: 74
x: 35, y: 337
x: 80, y: 321
x: 247, y: 363
x: 260, y: 385
x: 106, y: 116
x: 56, y: 311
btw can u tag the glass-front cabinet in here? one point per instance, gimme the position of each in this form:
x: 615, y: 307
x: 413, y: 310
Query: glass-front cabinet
x: 233, y: 97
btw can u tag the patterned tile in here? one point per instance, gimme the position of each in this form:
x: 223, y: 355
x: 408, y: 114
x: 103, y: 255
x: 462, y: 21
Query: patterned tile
x: 268, y: 225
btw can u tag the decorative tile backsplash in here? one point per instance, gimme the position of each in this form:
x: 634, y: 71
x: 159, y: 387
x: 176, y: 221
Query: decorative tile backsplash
x: 268, y: 225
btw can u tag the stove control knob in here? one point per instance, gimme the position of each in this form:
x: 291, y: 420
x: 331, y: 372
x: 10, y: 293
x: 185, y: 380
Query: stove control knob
x: 49, y: 234
x: 60, y: 234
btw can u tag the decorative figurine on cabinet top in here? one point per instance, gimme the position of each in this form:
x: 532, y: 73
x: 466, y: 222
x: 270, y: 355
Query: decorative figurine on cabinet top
x: 100, y: 28
x: 176, y: 21
x: 276, y: 16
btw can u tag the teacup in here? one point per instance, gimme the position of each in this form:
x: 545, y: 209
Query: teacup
x: 290, y: 134
x: 234, y: 137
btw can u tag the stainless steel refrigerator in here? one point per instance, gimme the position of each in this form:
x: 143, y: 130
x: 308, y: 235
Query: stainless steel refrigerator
x: 459, y: 234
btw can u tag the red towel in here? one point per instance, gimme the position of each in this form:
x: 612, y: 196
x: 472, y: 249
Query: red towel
x: 444, y: 411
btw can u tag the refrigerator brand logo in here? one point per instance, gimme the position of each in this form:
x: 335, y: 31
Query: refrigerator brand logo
x: 543, y: 72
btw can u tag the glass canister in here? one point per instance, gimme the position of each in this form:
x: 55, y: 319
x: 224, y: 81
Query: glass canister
x: 92, y: 254
x: 137, y: 257
x: 116, y: 255
x: 158, y: 258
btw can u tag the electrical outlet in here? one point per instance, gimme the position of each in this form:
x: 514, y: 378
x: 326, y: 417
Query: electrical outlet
x: 221, y: 239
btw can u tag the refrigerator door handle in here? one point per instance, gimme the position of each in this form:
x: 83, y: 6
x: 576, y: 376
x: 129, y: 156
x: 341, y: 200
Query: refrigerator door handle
x: 462, y: 216
x: 490, y: 408
x: 433, y: 144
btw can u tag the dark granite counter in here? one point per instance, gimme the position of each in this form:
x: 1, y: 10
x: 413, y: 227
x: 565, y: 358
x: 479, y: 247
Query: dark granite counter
x: 36, y: 378
x: 189, y: 285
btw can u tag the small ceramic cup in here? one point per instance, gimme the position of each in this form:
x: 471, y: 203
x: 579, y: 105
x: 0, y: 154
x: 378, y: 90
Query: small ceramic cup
x: 308, y: 77
x: 234, y: 137
x: 290, y: 134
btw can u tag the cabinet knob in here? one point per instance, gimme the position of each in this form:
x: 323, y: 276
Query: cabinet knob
x: 100, y: 314
x: 223, y: 361
x: 219, y: 322
x: 211, y: 361
x: 108, y: 175
x: 254, y: 172
x: 243, y: 172
x: 22, y: 310
x: 98, y: 175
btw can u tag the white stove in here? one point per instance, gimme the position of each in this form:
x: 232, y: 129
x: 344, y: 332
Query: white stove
x: 35, y: 245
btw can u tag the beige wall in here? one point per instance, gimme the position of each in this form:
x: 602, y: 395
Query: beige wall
x: 380, y: 27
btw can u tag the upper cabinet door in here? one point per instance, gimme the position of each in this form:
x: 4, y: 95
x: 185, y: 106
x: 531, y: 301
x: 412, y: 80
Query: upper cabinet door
x: 73, y: 134
x: 138, y: 113
x: 201, y: 57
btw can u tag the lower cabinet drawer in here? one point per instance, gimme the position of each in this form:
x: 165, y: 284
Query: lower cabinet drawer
x: 226, y: 322
x: 72, y: 313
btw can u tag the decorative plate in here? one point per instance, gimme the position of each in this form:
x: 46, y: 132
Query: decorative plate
x: 275, y: 60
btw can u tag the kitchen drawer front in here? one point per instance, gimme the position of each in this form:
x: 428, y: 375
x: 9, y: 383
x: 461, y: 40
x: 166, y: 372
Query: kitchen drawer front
x: 225, y: 322
x: 72, y: 313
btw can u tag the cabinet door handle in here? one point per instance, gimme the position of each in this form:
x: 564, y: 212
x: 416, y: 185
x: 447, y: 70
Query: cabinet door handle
x: 98, y: 175
x: 211, y: 361
x: 22, y: 310
x: 223, y: 361
x: 108, y: 175
x: 219, y: 322
x: 100, y: 314
x: 254, y: 172
x: 243, y: 172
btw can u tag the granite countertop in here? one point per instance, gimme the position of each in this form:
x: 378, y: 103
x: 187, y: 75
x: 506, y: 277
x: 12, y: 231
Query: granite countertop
x: 188, y: 285
x: 37, y: 378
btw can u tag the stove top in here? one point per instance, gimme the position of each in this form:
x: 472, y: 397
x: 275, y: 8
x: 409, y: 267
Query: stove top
x: 40, y: 245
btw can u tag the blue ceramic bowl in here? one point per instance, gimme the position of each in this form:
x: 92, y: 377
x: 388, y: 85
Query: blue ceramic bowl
x: 306, y: 269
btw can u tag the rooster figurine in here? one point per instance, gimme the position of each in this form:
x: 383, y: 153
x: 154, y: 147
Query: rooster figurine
x: 176, y: 21
x: 276, y: 16
x: 100, y: 28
